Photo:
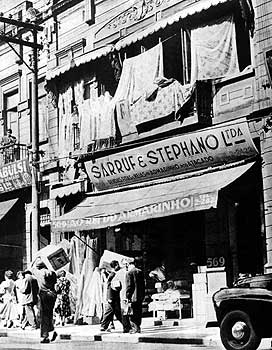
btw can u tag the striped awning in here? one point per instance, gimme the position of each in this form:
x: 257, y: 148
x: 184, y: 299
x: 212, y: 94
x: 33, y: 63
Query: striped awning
x: 197, y: 7
x: 76, y: 62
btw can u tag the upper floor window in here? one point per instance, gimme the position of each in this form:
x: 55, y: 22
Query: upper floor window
x: 11, y: 101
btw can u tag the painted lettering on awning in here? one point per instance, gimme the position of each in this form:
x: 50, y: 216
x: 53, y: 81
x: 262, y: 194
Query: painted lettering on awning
x: 178, y: 205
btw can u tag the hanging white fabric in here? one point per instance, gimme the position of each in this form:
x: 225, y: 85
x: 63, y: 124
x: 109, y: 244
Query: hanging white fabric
x: 65, y: 127
x: 213, y: 50
x: 137, y: 78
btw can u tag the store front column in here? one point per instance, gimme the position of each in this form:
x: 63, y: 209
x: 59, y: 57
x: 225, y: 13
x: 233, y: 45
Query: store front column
x: 266, y: 148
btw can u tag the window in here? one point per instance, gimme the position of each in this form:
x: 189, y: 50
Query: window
x: 11, y: 101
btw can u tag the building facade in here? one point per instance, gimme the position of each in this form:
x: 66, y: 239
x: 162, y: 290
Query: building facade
x: 155, y: 132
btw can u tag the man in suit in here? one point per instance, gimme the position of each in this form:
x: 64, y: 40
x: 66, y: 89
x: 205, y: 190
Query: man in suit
x: 135, y: 292
x: 113, y: 300
x: 29, y: 290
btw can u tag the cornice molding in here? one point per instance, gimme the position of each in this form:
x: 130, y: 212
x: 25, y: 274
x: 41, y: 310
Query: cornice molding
x: 10, y: 78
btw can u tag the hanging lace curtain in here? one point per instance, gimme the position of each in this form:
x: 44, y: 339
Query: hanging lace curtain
x: 104, y: 123
x: 77, y: 112
x: 213, y: 50
x: 88, y: 118
x: 65, y: 129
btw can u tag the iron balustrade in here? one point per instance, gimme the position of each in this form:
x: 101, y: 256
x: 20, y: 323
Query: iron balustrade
x: 12, y: 153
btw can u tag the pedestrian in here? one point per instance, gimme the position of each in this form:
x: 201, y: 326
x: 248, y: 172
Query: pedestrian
x: 135, y: 292
x: 18, y: 286
x: 62, y: 306
x: 47, y: 298
x: 8, y: 311
x: 119, y: 283
x: 30, y: 292
x: 112, y: 306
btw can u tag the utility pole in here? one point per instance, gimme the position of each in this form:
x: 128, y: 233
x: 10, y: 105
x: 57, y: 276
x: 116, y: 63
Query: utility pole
x: 21, y: 28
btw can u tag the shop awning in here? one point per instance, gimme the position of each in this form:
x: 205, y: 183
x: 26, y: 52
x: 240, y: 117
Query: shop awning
x: 6, y: 206
x: 198, y: 192
x: 68, y: 189
x: 190, y: 10
x: 76, y: 62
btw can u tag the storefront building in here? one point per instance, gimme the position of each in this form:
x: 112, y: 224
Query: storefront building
x: 157, y: 136
x: 177, y: 167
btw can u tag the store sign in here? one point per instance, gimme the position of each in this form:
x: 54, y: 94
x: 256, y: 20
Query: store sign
x: 188, y: 203
x: 221, y: 144
x: 15, y: 175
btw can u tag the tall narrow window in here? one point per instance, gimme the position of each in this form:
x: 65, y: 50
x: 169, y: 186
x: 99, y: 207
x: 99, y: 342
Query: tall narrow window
x: 11, y: 101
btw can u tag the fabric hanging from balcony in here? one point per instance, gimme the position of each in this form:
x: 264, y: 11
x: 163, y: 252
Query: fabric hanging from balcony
x: 97, y: 121
x: 213, y: 50
x: 65, y: 124
x: 137, y: 78
x: 165, y: 99
x: 6, y: 206
x: 198, y: 192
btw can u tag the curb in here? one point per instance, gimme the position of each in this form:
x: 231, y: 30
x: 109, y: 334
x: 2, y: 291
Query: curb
x: 121, y: 338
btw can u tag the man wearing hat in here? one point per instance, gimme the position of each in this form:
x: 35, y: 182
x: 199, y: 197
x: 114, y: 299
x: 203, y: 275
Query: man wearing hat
x: 46, y: 281
x: 135, y: 292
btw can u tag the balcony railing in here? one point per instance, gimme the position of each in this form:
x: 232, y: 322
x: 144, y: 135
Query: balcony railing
x: 12, y: 153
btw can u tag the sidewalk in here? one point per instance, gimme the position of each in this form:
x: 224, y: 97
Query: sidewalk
x: 185, y: 331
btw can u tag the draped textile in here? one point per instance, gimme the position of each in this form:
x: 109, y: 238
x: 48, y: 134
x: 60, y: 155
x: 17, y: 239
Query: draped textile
x: 95, y: 306
x: 213, y: 50
x: 137, y: 78
x: 97, y: 122
x: 65, y: 125
x: 74, y: 266
x: 83, y: 292
x: 168, y: 99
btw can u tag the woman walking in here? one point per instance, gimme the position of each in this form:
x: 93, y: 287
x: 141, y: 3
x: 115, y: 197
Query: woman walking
x: 8, y: 311
x: 62, y: 306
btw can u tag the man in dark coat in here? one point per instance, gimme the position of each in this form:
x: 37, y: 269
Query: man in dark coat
x: 135, y: 292
x: 29, y: 290
x: 113, y: 300
x: 47, y: 298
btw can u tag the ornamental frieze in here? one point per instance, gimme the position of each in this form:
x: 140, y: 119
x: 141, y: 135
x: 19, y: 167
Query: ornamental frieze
x: 130, y: 16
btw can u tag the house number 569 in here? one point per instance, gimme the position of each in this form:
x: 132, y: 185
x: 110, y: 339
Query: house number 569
x: 217, y: 261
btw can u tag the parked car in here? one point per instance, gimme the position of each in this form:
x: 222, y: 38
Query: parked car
x: 244, y: 312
